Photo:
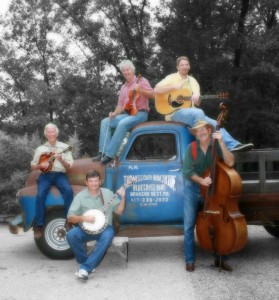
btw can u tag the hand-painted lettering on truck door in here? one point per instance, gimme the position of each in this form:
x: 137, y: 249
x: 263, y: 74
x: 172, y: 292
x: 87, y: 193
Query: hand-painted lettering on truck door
x: 154, y: 161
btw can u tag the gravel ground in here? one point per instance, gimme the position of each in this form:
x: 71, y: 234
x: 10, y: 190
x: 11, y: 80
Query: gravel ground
x: 155, y: 270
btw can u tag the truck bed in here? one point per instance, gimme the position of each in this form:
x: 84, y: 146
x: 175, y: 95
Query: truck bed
x: 259, y: 171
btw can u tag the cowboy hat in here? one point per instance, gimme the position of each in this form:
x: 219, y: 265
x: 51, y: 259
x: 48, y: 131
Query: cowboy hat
x: 200, y: 124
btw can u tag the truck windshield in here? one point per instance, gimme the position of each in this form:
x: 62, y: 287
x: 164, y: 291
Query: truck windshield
x: 160, y: 146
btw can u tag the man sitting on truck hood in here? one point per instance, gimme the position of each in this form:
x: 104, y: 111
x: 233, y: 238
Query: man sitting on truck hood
x: 190, y: 116
x: 132, y: 109
x: 53, y: 158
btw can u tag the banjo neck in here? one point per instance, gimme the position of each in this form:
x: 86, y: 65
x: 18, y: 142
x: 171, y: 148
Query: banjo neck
x: 108, y: 204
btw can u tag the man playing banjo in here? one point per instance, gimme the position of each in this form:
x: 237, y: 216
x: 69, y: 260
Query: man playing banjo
x: 93, y: 199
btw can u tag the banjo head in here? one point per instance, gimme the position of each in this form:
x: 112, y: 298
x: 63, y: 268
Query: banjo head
x: 100, y: 221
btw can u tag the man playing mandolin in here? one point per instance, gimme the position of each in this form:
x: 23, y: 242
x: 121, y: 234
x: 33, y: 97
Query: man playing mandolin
x: 182, y: 81
x: 197, y: 160
x: 53, y: 158
x: 132, y: 108
x: 93, y: 199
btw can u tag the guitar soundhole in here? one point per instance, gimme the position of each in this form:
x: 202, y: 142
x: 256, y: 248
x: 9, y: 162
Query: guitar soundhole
x: 176, y: 103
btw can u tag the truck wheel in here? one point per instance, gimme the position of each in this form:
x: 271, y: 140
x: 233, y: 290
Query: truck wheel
x: 273, y: 229
x: 53, y: 243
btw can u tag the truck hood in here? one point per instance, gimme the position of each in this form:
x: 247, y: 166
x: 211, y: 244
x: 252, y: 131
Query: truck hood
x: 76, y: 174
x: 80, y: 168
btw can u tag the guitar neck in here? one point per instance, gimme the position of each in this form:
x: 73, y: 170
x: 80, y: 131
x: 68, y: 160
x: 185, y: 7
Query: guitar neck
x: 52, y: 158
x: 209, y: 96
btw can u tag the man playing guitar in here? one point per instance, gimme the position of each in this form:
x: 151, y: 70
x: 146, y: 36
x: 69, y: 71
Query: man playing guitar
x: 190, y: 116
x: 92, y: 198
x: 53, y: 173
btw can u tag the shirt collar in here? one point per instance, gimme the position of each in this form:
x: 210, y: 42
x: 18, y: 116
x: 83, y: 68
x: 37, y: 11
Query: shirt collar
x: 88, y: 194
x: 51, y: 146
x: 209, y: 145
x: 130, y: 83
x: 187, y: 78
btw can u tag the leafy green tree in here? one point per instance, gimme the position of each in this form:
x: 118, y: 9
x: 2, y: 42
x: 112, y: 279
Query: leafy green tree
x: 232, y: 46
x: 32, y: 61
x: 16, y: 153
x: 108, y: 31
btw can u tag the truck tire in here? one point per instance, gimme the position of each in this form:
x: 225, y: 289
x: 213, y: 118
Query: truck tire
x: 53, y: 243
x: 273, y: 229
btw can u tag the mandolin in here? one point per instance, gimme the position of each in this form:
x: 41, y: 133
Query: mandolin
x: 50, y: 158
x: 169, y: 102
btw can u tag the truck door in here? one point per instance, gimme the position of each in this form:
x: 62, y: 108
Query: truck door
x: 154, y: 161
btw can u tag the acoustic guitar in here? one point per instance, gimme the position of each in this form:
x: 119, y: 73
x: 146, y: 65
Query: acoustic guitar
x: 169, y: 102
x: 50, y: 158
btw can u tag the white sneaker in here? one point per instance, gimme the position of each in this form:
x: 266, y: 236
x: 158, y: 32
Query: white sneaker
x: 242, y: 147
x: 82, y: 274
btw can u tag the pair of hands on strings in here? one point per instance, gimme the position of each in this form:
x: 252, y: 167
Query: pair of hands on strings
x: 91, y: 219
x: 119, y: 109
x: 195, y: 98
x: 45, y: 164
x: 207, y: 181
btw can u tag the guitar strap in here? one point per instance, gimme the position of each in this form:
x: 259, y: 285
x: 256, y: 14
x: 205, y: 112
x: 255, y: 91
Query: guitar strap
x: 189, y: 81
x: 194, y: 150
x: 101, y: 196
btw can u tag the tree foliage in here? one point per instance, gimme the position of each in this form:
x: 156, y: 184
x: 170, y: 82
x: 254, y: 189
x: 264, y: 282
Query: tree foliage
x: 59, y: 62
x: 15, y: 156
x: 232, y: 46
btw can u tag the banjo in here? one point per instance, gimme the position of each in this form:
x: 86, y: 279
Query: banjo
x: 101, y: 221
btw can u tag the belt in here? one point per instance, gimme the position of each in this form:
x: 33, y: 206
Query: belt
x: 52, y: 172
x: 141, y: 110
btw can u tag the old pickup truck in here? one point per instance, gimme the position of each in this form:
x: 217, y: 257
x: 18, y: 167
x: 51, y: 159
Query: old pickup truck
x: 153, y: 156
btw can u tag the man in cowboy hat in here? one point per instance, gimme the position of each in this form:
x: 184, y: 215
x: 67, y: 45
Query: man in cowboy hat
x: 195, y: 164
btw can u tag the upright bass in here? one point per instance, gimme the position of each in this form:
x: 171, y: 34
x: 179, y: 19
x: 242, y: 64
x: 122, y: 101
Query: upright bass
x: 220, y: 227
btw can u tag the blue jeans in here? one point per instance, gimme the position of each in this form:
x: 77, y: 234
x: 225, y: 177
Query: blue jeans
x: 190, y: 116
x: 45, y: 181
x: 192, y: 203
x: 110, y: 144
x: 77, y: 238
x: 229, y: 141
